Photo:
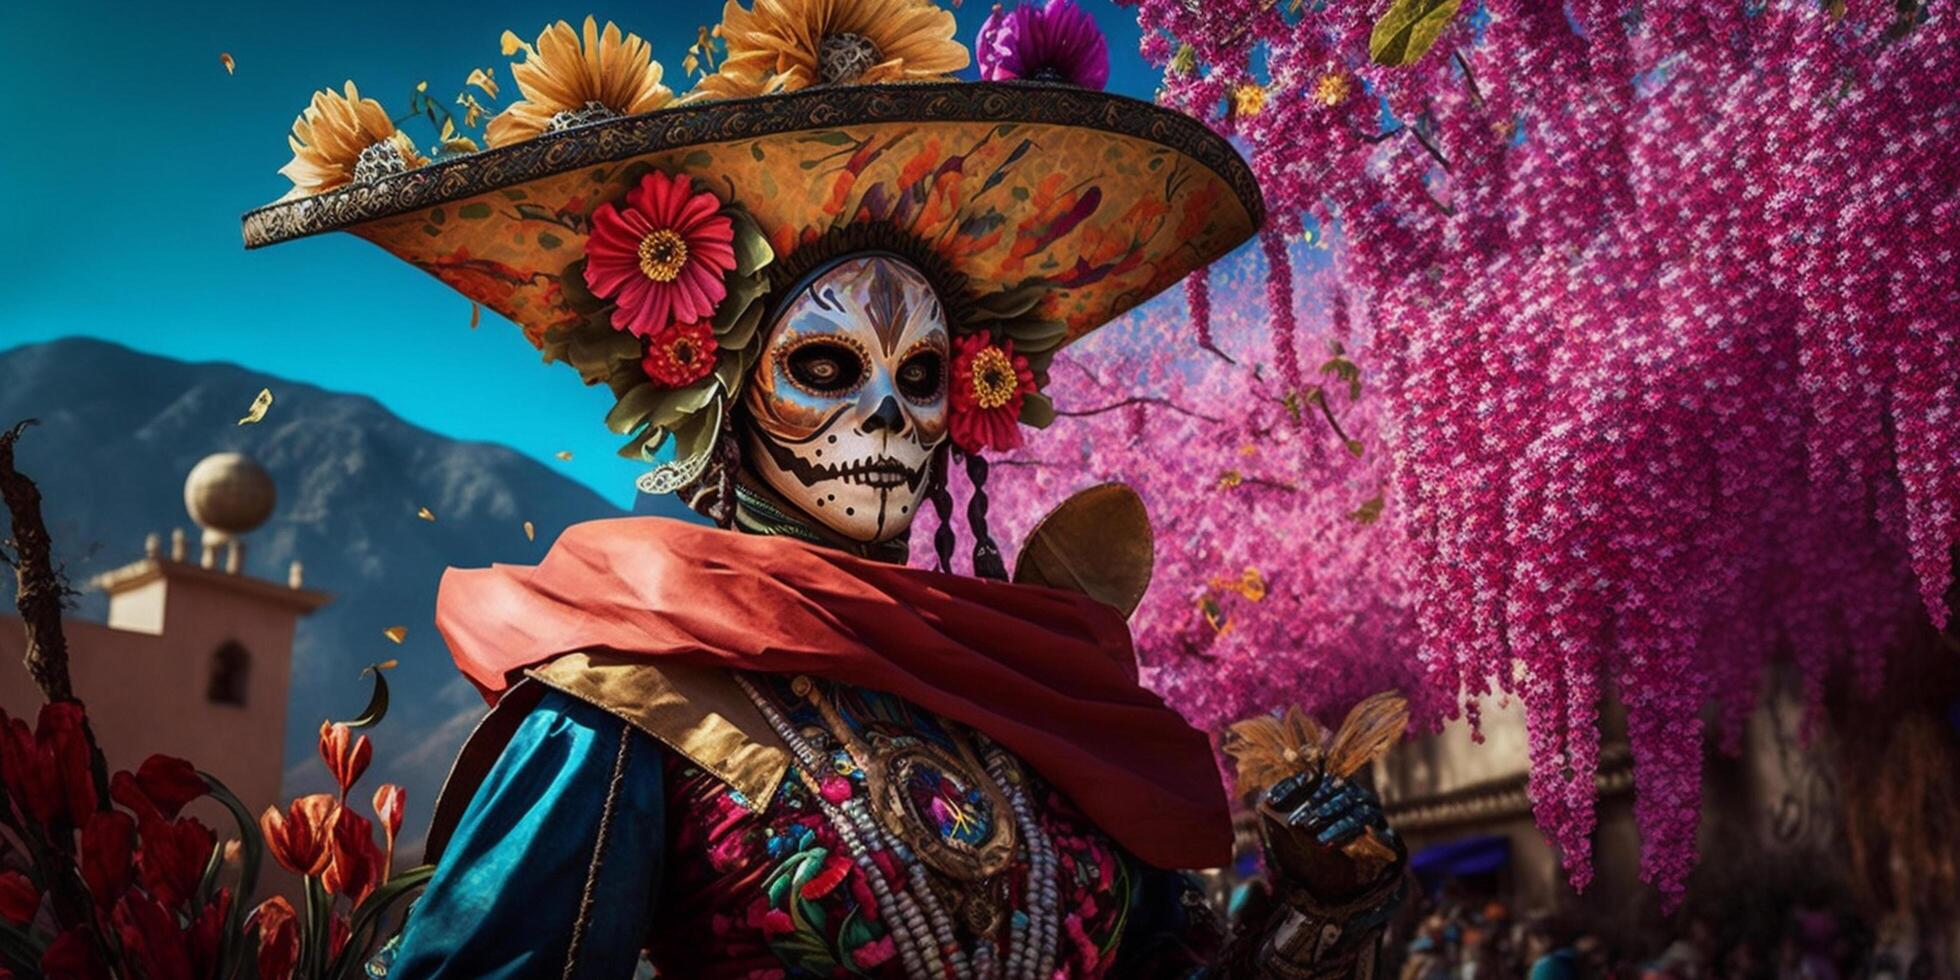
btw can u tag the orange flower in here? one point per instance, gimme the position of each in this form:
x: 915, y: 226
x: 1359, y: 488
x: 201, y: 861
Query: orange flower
x: 784, y: 45
x: 346, y: 757
x: 278, y: 929
x: 297, y: 839
x: 389, y: 802
x: 355, y: 866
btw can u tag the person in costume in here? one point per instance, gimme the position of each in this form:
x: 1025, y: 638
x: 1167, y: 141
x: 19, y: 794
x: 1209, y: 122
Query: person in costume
x: 818, y: 284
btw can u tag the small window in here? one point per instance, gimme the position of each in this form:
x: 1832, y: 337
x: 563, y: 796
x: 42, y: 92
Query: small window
x: 229, y: 669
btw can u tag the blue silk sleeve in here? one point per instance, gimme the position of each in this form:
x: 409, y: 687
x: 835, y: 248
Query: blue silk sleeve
x: 553, y: 869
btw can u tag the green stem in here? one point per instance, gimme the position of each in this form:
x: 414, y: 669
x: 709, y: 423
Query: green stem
x: 318, y: 930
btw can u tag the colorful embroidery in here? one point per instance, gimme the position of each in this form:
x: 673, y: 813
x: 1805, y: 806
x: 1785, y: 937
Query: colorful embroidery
x: 779, y: 896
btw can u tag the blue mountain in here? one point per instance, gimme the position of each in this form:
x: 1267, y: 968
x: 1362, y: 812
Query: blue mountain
x: 120, y: 429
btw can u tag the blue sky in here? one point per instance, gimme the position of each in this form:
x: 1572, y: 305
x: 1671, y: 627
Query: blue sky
x: 130, y: 155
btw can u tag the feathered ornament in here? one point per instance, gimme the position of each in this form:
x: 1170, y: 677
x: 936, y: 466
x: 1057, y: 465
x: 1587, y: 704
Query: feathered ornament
x: 1268, y: 749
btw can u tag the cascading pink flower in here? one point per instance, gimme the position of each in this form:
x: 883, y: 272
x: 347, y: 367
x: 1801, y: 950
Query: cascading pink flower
x: 661, y: 258
x: 1658, y: 334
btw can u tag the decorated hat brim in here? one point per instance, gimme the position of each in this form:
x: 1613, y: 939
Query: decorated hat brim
x: 1096, y: 201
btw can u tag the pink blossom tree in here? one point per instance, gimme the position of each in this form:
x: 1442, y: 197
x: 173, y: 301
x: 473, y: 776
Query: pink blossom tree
x: 1275, y: 581
x: 1658, y: 311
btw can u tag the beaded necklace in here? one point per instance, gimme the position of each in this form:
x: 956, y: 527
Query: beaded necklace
x: 921, y: 927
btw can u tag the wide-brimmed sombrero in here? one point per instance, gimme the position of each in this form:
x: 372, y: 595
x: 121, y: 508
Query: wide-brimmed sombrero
x: 1044, y: 209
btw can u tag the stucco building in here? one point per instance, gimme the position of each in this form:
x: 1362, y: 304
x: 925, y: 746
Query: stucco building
x: 195, y: 659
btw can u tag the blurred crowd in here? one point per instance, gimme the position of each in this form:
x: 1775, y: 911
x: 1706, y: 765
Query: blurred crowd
x: 1454, y: 938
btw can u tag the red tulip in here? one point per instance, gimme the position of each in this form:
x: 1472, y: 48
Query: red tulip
x: 346, y: 757
x: 126, y: 791
x: 172, y: 859
x: 170, y: 783
x: 338, y: 933
x: 72, y: 957
x: 108, y: 840
x: 389, y: 803
x: 151, y: 939
x: 297, y: 839
x: 356, y: 865
x: 61, y: 732
x: 207, y: 934
x: 30, y: 775
x: 278, y: 931
x: 19, y: 899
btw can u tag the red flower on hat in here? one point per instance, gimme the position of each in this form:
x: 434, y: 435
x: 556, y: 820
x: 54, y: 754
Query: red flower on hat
x: 680, y: 355
x: 662, y: 257
x: 989, y: 383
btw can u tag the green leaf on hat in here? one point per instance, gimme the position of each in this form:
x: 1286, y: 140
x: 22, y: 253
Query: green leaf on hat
x: 643, y: 446
x: 632, y: 410
x: 752, y: 250
x: 577, y: 296
x: 728, y: 373
x: 679, y: 404
x: 739, y: 333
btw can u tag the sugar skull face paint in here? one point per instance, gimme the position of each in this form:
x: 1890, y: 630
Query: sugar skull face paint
x: 848, y: 400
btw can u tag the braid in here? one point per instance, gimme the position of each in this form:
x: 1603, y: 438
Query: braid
x: 943, y: 539
x: 986, y: 555
x: 729, y: 451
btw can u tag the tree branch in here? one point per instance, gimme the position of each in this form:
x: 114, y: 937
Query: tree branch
x: 39, y: 589
x: 1139, y: 400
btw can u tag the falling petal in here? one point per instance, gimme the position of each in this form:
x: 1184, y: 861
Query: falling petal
x: 224, y: 58
x: 476, y: 315
x: 389, y: 664
x: 461, y: 144
x: 260, y: 406
x: 530, y: 533
x: 425, y: 514
x: 485, y: 79
x: 396, y: 633
x: 564, y: 454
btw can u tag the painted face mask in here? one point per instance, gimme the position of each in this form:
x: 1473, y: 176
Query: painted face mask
x: 848, y: 400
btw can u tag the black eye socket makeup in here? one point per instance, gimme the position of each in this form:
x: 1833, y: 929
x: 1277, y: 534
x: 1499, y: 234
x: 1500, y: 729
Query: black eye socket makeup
x: 825, y: 367
x: 923, y: 376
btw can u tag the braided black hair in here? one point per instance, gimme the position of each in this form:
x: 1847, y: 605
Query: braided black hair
x: 943, y: 539
x: 986, y: 555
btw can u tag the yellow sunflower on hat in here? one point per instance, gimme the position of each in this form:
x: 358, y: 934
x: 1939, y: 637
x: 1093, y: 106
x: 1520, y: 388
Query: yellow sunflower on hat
x: 345, y: 139
x: 571, y: 77
x: 785, y: 45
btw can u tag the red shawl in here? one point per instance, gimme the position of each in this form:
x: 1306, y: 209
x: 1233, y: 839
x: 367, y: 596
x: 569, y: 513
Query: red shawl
x: 1048, y: 674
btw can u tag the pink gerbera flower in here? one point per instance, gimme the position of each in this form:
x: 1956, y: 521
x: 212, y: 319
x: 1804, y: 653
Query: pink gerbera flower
x: 989, y: 385
x: 661, y: 258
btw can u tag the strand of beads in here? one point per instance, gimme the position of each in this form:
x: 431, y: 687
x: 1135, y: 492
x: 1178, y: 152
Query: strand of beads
x: 920, y: 961
x: 920, y: 903
x: 1036, y: 959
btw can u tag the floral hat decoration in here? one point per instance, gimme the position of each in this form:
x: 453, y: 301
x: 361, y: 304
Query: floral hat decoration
x: 643, y: 237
